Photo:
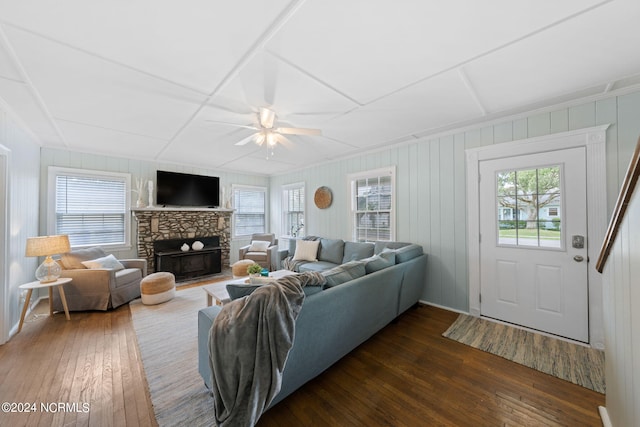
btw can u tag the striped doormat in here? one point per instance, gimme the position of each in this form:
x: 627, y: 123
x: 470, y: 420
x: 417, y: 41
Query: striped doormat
x: 571, y: 362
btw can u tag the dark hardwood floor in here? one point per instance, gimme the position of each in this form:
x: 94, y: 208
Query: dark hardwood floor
x: 406, y: 375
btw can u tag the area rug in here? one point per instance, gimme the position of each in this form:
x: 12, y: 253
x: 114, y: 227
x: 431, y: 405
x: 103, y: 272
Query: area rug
x: 571, y: 362
x: 167, y: 336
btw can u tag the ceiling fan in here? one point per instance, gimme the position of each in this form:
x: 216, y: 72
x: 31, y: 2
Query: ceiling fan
x: 266, y: 132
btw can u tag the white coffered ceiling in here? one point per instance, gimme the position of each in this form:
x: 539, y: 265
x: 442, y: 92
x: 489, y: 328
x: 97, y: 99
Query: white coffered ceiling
x: 144, y: 78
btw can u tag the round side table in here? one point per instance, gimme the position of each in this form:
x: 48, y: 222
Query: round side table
x: 37, y: 285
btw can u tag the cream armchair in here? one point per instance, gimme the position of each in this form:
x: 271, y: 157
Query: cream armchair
x: 101, y: 282
x: 263, y: 250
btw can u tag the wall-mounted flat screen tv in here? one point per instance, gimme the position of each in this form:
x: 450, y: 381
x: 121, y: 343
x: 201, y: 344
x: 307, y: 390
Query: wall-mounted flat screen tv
x: 183, y: 189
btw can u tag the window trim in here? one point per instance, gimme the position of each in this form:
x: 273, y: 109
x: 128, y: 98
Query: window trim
x: 283, y: 231
x: 264, y: 190
x: 373, y: 173
x: 54, y: 171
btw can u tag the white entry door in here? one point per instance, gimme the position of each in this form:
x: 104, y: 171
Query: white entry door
x: 533, y: 244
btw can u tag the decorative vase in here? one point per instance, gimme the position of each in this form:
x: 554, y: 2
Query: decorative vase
x: 140, y: 203
x: 197, y: 245
x: 184, y: 247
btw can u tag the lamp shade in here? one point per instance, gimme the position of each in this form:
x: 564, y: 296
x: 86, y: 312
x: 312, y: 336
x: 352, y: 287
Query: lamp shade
x: 47, y: 245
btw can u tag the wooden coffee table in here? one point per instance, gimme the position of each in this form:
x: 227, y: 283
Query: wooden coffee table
x: 218, y: 291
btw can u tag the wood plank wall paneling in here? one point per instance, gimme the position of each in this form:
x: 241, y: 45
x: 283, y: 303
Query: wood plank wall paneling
x: 622, y: 320
x: 24, y: 154
x: 441, y: 187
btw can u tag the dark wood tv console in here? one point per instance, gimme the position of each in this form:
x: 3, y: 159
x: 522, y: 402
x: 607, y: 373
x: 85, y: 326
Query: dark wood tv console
x: 188, y: 264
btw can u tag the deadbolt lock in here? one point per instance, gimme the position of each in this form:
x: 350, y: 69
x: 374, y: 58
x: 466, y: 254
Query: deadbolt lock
x: 577, y: 242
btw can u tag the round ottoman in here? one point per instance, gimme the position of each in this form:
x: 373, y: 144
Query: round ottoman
x: 239, y: 268
x: 157, y: 287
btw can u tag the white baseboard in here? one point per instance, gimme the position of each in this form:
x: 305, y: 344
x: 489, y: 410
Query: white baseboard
x: 442, y: 307
x: 604, y: 415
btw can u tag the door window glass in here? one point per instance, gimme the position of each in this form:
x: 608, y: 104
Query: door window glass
x: 529, y: 207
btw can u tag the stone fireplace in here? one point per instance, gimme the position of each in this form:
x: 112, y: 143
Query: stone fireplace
x: 156, y: 224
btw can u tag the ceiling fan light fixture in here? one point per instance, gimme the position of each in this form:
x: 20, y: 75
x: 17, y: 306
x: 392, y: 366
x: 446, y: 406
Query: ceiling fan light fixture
x: 260, y: 138
x: 267, y: 118
x: 272, y: 139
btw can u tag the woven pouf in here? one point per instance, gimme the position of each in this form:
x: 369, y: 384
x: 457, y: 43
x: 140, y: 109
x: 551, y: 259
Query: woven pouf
x: 239, y: 268
x: 157, y: 287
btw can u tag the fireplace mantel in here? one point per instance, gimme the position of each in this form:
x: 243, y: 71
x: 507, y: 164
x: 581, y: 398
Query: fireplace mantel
x: 156, y: 223
x: 179, y: 209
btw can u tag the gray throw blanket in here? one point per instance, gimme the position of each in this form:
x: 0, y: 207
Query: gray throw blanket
x: 249, y: 342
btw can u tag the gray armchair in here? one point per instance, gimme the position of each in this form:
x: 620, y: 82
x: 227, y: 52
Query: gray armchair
x: 98, y: 288
x: 266, y: 256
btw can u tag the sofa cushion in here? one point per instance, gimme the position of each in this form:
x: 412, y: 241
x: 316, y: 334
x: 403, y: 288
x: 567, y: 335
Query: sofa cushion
x: 408, y: 252
x: 306, y: 250
x: 356, y: 250
x: 108, y: 261
x: 73, y: 260
x: 379, y: 262
x: 344, y: 273
x: 319, y: 266
x: 331, y: 250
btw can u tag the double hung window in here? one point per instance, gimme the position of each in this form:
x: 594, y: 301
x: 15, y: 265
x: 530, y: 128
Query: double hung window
x: 249, y: 204
x: 293, y: 203
x: 90, y: 206
x: 373, y: 205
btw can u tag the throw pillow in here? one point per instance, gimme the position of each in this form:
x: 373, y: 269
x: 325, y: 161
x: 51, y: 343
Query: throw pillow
x: 356, y: 250
x: 344, y: 273
x: 259, y: 246
x: 306, y: 250
x: 379, y: 262
x: 105, y: 262
x: 331, y: 250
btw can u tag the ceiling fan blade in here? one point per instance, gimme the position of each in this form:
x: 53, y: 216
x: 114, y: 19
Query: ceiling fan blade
x: 246, y: 140
x: 284, y: 141
x: 234, y: 124
x: 270, y: 78
x: 299, y: 131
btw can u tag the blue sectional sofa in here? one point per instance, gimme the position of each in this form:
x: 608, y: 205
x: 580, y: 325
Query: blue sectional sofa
x: 360, y: 298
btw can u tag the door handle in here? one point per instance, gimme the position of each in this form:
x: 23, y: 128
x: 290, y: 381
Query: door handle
x: 578, y: 258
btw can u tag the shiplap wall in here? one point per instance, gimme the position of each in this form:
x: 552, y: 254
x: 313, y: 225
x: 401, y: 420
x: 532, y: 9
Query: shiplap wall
x: 431, y: 187
x: 621, y: 284
x: 23, y: 158
x: 138, y: 169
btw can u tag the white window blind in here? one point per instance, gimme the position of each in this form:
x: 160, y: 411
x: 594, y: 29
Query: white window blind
x: 249, y: 217
x: 372, y: 206
x: 293, y: 204
x: 91, y: 209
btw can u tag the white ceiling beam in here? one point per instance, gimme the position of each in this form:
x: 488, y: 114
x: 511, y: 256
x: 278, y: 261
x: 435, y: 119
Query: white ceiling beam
x: 4, y: 41
x: 103, y: 58
x: 472, y: 91
x: 312, y: 77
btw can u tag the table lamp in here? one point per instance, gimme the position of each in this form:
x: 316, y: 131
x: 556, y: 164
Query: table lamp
x: 49, y: 270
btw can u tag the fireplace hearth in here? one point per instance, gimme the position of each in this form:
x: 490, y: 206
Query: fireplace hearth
x: 169, y: 256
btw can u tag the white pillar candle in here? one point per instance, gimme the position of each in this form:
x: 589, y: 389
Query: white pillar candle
x: 150, y: 193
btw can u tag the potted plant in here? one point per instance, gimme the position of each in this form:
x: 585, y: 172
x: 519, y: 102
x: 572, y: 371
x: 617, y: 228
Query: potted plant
x: 254, y: 270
